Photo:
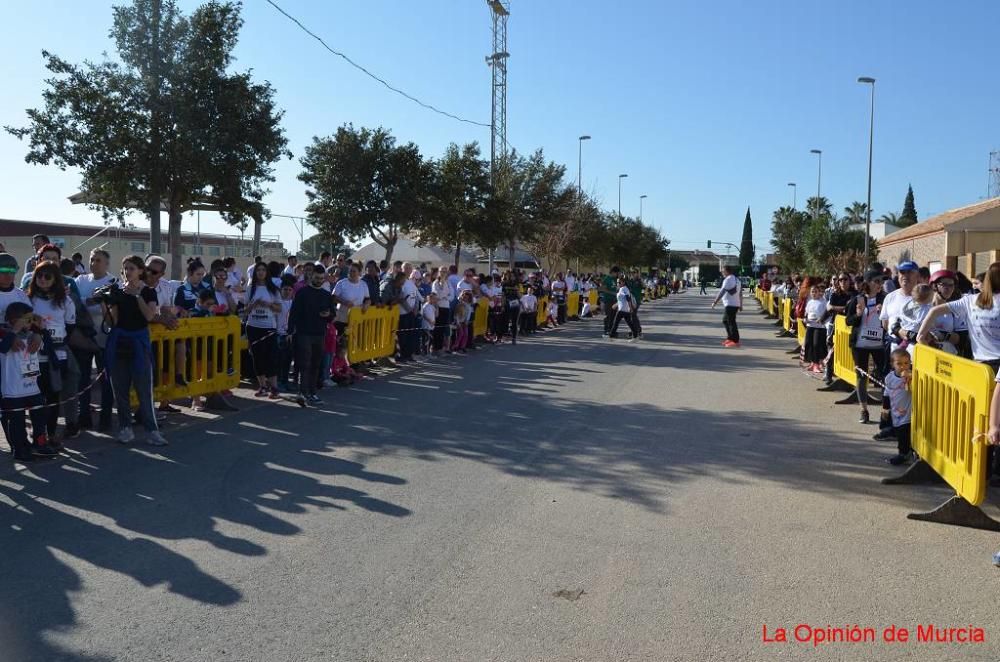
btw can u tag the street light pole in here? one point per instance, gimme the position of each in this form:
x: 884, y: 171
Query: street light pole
x: 794, y: 191
x: 641, y: 198
x: 620, y: 178
x: 819, y: 179
x: 871, y: 142
x: 579, y: 168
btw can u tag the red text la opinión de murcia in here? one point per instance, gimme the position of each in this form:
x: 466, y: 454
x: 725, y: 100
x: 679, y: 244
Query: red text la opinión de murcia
x: 803, y: 633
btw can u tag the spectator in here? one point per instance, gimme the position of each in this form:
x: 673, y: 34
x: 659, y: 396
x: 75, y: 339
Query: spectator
x: 815, y: 318
x: 48, y: 253
x: 87, y: 284
x: 867, y: 344
x: 38, y: 242
x: 221, y: 292
x: 285, y: 349
x: 529, y: 312
x: 311, y: 311
x: 78, y: 267
x: 349, y: 293
x: 428, y: 318
x: 47, y: 293
x: 511, y: 312
x: 342, y: 372
x: 289, y: 269
x: 371, y: 279
x: 409, y: 308
x: 462, y: 315
x: 445, y: 296
x: 19, y: 395
x: 263, y: 306
x: 897, y: 386
x: 253, y: 267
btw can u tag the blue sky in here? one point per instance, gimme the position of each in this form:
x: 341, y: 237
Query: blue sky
x: 709, y: 106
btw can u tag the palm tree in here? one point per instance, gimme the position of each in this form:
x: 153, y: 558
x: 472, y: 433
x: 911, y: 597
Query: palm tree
x: 892, y: 218
x: 856, y: 213
x: 825, y: 207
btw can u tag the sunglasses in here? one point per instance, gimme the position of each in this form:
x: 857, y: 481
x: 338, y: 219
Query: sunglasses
x: 44, y: 277
x: 945, y: 283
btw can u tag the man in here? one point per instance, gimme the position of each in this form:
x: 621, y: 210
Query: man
x: 326, y: 260
x: 78, y: 266
x: 289, y: 269
x: 343, y: 269
x: 383, y: 269
x: 892, y: 308
x: 307, y: 320
x: 349, y: 293
x: 372, y: 281
x: 409, y: 305
x: 608, y: 295
x: 38, y: 241
x: 731, y: 295
x: 46, y: 253
x: 704, y: 285
x: 626, y: 304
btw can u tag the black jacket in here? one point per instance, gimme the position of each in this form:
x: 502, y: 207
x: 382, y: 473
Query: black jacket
x: 853, y: 319
x: 304, y: 317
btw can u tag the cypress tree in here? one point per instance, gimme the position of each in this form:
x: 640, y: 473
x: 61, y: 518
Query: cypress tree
x: 746, y: 245
x: 909, y: 215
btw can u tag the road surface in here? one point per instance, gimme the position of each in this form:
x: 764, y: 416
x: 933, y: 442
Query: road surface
x: 571, y: 498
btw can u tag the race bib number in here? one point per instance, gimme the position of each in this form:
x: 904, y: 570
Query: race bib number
x: 28, y: 364
x: 873, y: 334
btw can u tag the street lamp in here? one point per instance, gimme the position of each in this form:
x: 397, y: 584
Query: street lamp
x: 871, y: 141
x: 579, y: 168
x: 641, y: 198
x: 795, y: 190
x: 819, y: 178
x: 620, y: 178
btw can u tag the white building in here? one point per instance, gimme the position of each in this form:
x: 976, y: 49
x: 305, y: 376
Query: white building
x: 878, y: 230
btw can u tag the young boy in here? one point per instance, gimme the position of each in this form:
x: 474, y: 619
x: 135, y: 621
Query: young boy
x: 897, y: 387
x: 284, y: 343
x: 19, y: 372
x: 912, y: 316
x: 205, y: 305
x: 529, y: 310
x: 428, y: 317
x: 552, y: 313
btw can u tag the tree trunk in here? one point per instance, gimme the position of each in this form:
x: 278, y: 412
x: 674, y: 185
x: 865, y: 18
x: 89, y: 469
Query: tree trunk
x: 389, y: 246
x: 458, y: 252
x: 510, y: 256
x: 174, y: 239
x: 258, y: 221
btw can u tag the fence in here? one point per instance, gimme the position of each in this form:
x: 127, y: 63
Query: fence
x: 572, y: 305
x: 843, y: 358
x: 371, y: 334
x: 213, y: 357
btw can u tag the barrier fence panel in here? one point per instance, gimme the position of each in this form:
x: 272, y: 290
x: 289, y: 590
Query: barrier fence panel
x: 480, y: 318
x: 843, y: 359
x: 786, y: 314
x: 372, y: 334
x: 542, y: 314
x: 573, y: 305
x: 213, y: 357
x: 951, y: 415
x: 801, y: 335
x: 592, y: 298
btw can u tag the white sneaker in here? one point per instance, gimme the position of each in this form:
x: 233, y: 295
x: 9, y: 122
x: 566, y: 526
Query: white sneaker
x: 125, y: 436
x: 329, y: 382
x: 156, y: 439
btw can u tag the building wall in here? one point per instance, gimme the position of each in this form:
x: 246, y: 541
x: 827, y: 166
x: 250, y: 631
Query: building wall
x: 923, y: 250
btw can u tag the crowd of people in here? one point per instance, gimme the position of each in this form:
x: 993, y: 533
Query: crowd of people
x: 889, y: 312
x: 75, y: 339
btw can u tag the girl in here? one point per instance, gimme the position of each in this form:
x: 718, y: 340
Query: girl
x: 867, y: 345
x: 263, y: 306
x: 185, y: 299
x: 814, y: 313
x: 950, y: 333
x: 342, y: 372
x: 913, y: 314
x: 463, y: 311
x: 131, y: 308
x: 19, y: 389
x: 428, y: 316
x: 47, y: 293
x: 445, y: 295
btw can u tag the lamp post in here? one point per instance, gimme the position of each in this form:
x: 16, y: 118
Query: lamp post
x: 871, y: 140
x: 794, y: 192
x: 620, y: 178
x: 819, y: 178
x: 641, y: 198
x: 579, y: 167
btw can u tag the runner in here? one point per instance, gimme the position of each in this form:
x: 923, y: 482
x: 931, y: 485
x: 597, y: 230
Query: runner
x: 731, y: 295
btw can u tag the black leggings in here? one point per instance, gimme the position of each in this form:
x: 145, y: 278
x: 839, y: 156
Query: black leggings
x: 815, y: 347
x: 263, y: 351
x: 861, y: 357
x: 729, y: 321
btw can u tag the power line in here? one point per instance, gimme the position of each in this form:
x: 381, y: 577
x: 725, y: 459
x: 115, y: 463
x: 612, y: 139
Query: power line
x: 370, y: 74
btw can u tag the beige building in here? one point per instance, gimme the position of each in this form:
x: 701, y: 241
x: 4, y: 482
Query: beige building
x: 966, y: 239
x: 123, y: 241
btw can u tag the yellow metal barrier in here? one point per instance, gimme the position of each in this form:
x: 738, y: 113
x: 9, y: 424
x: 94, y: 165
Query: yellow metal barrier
x: 592, y: 299
x: 372, y: 334
x: 480, y: 318
x: 801, y: 335
x: 843, y: 358
x: 786, y: 314
x: 542, y: 314
x: 772, y: 310
x: 573, y: 305
x: 213, y: 357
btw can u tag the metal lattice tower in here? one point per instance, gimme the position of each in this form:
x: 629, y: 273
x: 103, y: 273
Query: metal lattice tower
x: 993, y: 183
x: 497, y: 60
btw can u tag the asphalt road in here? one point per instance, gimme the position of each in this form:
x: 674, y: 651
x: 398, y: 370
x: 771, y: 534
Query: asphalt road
x: 571, y: 498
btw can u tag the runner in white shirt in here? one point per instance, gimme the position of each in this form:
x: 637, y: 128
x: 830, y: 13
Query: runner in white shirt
x: 731, y: 295
x: 624, y: 309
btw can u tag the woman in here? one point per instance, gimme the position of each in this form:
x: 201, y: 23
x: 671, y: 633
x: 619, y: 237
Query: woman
x: 47, y: 293
x: 223, y: 293
x: 446, y: 299
x: 131, y: 308
x: 511, y: 314
x: 867, y: 347
x: 263, y: 306
x: 841, y: 292
x: 950, y: 334
x: 558, y: 286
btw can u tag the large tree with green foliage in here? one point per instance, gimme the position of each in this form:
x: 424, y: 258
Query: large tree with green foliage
x: 166, y: 125
x: 361, y: 184
x: 788, y: 229
x: 909, y: 215
x: 746, y: 245
x: 459, y: 187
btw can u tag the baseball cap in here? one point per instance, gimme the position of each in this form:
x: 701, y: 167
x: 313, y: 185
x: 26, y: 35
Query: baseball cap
x: 908, y: 265
x: 8, y: 264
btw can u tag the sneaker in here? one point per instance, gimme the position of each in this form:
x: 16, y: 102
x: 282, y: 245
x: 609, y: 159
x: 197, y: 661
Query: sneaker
x: 329, y: 382
x: 901, y: 458
x: 24, y: 457
x: 273, y: 394
x: 43, y: 450
x: 728, y: 343
x: 156, y: 439
x: 864, y: 417
x: 126, y: 436
x: 314, y: 399
x: 261, y: 393
x: 884, y: 434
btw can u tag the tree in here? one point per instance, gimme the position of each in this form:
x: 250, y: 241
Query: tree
x: 166, y: 126
x: 312, y: 247
x: 788, y: 228
x: 909, y: 215
x: 746, y: 245
x: 361, y: 184
x: 856, y: 213
x: 891, y: 218
x: 819, y: 207
x: 458, y: 191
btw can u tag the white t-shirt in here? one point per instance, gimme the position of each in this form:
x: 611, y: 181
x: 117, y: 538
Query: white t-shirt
x: 262, y: 317
x: 624, y: 300
x: 445, y: 292
x: 356, y: 293
x: 570, y: 284
x: 289, y: 270
x: 892, y: 308
x: 983, y: 325
x: 250, y: 270
x: 558, y: 288
x: 55, y: 319
x: 731, y: 294
x: 815, y: 310
x: 428, y: 316
x: 900, y: 399
x: 286, y: 307
x: 453, y: 280
x: 528, y: 303
x: 463, y: 286
x: 166, y: 290
x: 553, y: 309
x: 7, y: 298
x: 411, y: 298
x: 19, y: 373
x: 871, y: 333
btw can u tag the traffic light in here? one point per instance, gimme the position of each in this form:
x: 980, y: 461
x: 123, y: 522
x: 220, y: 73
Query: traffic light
x: 709, y: 243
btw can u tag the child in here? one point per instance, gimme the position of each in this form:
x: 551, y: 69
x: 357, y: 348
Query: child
x: 463, y: 312
x: 284, y: 342
x: 331, y: 341
x: 552, y: 312
x: 815, y: 344
x: 897, y: 387
x: 342, y: 372
x: 529, y: 312
x: 428, y: 316
x: 19, y: 389
x: 912, y: 316
x: 205, y: 305
x: 586, y: 312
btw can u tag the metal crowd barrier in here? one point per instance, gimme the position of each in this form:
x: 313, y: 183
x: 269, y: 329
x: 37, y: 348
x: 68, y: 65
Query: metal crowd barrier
x: 479, y: 319
x: 573, y: 305
x: 213, y: 356
x: 371, y: 334
x: 843, y: 358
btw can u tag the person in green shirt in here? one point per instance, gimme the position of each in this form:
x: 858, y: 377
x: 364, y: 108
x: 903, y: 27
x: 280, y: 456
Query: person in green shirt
x: 607, y: 292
